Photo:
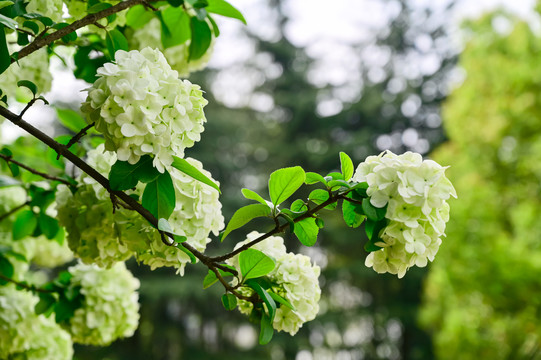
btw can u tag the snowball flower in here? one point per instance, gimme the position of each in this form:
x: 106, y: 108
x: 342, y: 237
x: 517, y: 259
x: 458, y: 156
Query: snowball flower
x: 416, y: 194
x: 142, y: 108
x: 25, y: 335
x: 177, y: 56
x: 98, y: 236
x: 294, y: 278
x: 110, y: 308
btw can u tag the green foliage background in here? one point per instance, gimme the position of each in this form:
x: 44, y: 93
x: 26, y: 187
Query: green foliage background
x: 482, y: 294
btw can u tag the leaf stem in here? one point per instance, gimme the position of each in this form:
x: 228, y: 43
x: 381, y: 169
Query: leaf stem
x: 25, y: 285
x: 13, y: 211
x: 34, y: 171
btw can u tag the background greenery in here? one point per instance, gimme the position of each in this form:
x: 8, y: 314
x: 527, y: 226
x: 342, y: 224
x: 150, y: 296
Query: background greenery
x: 480, y: 298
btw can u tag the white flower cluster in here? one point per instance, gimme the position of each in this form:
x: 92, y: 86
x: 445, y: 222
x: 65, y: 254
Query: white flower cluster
x: 98, y: 236
x: 49, y: 8
x: 296, y: 280
x: 198, y: 212
x: 25, y: 335
x: 415, y: 192
x: 141, y: 107
x: 177, y: 56
x: 92, y: 228
x: 34, y: 67
x: 110, y: 308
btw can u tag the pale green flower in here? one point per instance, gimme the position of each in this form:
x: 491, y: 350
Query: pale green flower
x: 415, y: 193
x: 142, y: 108
x: 110, y: 308
x: 25, y: 335
x: 296, y: 280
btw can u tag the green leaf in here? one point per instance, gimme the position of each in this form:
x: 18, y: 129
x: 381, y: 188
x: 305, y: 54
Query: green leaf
x: 24, y: 225
x: 319, y: 196
x: 71, y: 119
x: 159, y: 196
x: 48, y: 225
x: 5, y: 59
x: 163, y: 225
x: 360, y: 189
x: 175, y: 26
x: 373, y: 229
x: 32, y: 26
x: 372, y: 212
x: 175, y: 3
x: 244, y: 215
x: 72, y: 36
x: 346, y: 165
x: 224, y: 8
x: 252, y: 195
x: 229, y: 301
x: 45, y: 304
x: 289, y: 219
x: 267, y: 331
x: 334, y: 184
x: 335, y: 176
x: 265, y: 296
x: 211, y: 278
x: 6, y: 269
x: 306, y: 231
x: 299, y: 206
x: 184, y: 166
x: 192, y: 257
x: 8, y: 22
x: 29, y: 85
x: 5, y: 3
x: 124, y: 176
x: 281, y: 300
x: 100, y: 6
x: 137, y: 17
x: 352, y: 213
x: 254, y: 263
x: 284, y: 182
x: 201, y: 38
x: 215, y: 29
x: 312, y: 178
x: 115, y: 41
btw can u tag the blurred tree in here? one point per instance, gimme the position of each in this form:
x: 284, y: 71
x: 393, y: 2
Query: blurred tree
x: 394, y: 98
x: 482, y: 293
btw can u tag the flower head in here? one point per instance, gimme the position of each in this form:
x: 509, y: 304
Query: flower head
x: 416, y: 194
x: 142, y: 108
x: 110, y: 308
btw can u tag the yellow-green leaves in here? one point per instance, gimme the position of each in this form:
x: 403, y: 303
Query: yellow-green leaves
x: 346, y: 166
x: 254, y: 263
x: 244, y: 215
x: 284, y: 182
x: 306, y: 231
x: 159, y: 196
x: 188, y: 169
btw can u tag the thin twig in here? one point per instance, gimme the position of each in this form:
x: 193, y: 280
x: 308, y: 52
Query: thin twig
x: 13, y: 211
x: 26, y: 286
x: 40, y: 42
x: 34, y: 171
x: 276, y: 230
x: 79, y: 135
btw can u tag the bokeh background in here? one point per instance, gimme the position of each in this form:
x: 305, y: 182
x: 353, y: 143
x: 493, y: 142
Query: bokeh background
x: 457, y: 81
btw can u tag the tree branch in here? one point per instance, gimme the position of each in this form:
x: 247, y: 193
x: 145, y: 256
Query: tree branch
x: 34, y: 171
x: 25, y: 286
x: 278, y: 229
x: 40, y: 42
x: 79, y: 135
x: 13, y: 211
